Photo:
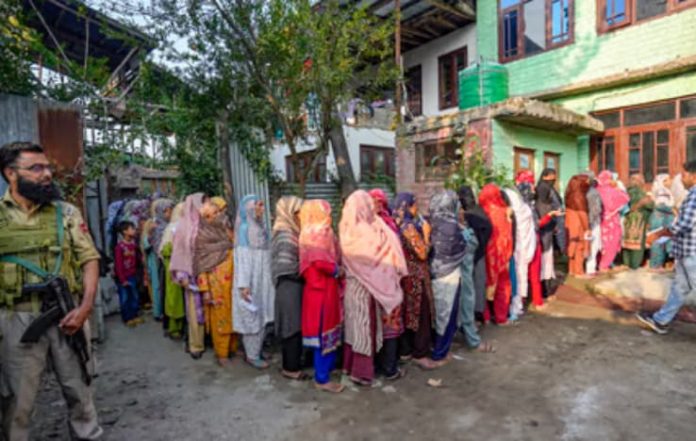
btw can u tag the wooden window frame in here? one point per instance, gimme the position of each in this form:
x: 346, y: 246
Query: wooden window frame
x: 317, y: 175
x: 454, y: 77
x: 428, y: 173
x: 672, y: 7
x: 389, y: 160
x: 419, y: 110
x: 521, y: 28
x: 650, y: 128
x: 525, y: 151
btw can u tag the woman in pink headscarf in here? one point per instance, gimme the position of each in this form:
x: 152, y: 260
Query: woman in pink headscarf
x: 375, y: 264
x: 613, y: 201
x: 181, y: 267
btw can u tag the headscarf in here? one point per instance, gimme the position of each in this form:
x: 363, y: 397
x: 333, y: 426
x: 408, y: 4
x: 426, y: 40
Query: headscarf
x: 212, y: 244
x: 114, y: 212
x: 449, y: 246
x: 500, y: 244
x: 372, y: 251
x: 476, y: 219
x: 402, y: 214
x: 185, y: 236
x: 136, y: 210
x: 158, y: 210
x: 524, y: 176
x: 576, y: 193
x: 168, y: 234
x: 317, y: 239
x: 285, y: 251
x: 250, y: 232
x: 525, y: 225
x: 636, y: 193
x: 678, y: 190
x: 613, y: 199
x: 380, y: 198
x: 662, y: 195
x: 545, y: 196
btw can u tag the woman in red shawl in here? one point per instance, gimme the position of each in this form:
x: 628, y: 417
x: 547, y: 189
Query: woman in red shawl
x: 613, y: 201
x: 577, y: 223
x: 498, y: 251
x: 393, y: 324
x: 321, y: 302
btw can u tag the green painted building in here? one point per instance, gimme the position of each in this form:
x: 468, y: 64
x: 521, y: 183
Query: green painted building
x: 629, y: 63
x: 598, y: 84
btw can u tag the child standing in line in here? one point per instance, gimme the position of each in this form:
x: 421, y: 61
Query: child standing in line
x: 125, y: 266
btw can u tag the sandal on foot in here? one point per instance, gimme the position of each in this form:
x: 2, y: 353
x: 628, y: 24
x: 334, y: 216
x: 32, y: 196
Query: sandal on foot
x: 400, y: 373
x: 484, y: 347
x: 334, y: 388
x: 360, y: 382
x: 295, y: 376
x: 257, y: 364
x: 424, y: 363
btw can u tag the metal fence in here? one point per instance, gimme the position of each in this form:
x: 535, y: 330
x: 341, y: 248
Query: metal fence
x: 245, y: 181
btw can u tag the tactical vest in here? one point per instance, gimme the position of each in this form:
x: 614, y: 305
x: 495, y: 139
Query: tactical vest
x: 37, y: 244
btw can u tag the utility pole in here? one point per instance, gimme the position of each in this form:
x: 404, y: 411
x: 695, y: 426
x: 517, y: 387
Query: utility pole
x: 397, y: 51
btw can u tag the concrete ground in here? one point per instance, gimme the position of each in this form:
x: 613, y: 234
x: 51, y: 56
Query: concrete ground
x: 554, y: 377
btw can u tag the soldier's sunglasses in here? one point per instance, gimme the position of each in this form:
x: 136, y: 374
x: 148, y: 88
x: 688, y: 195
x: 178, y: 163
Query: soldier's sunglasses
x: 36, y: 168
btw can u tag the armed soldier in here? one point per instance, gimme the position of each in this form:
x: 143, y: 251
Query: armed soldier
x: 45, y: 249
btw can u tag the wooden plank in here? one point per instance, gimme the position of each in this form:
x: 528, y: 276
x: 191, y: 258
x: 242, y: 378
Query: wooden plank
x: 462, y: 9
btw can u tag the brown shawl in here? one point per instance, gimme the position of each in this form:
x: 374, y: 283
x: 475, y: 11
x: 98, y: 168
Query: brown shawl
x: 212, y: 244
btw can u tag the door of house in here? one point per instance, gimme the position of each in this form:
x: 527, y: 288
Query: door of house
x: 553, y: 161
x: 524, y: 159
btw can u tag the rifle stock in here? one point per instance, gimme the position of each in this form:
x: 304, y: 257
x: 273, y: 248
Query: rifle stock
x: 37, y: 328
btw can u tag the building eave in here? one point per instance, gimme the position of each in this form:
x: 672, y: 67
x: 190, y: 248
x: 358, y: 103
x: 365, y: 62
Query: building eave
x: 627, y: 77
x: 522, y: 111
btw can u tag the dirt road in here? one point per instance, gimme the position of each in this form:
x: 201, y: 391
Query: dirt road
x: 551, y: 379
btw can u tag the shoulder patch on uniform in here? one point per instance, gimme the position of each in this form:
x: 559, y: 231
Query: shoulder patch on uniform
x: 83, y: 227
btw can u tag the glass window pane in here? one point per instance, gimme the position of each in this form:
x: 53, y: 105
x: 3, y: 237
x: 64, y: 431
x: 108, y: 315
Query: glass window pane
x: 663, y: 136
x: 610, y: 120
x: 534, y: 26
x: 365, y: 162
x: 379, y: 163
x: 560, y: 29
x: 688, y: 108
x: 510, y: 36
x: 615, y: 12
x: 650, y: 8
x: 634, y: 160
x: 610, y: 161
x: 691, y: 143
x: 662, y: 157
x: 507, y: 3
x: 650, y: 114
x: 648, y: 155
x: 446, y: 86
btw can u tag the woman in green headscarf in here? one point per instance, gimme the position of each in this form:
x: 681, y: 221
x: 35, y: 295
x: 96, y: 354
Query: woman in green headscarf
x: 636, y: 221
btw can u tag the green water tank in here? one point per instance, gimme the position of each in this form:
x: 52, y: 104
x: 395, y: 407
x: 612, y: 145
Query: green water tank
x: 483, y: 83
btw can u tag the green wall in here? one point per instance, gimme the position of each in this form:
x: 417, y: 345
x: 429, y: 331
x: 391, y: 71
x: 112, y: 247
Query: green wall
x: 594, y: 56
x: 507, y: 136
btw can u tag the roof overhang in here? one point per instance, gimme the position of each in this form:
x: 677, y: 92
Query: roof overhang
x: 423, y: 21
x: 82, y: 31
x: 522, y: 111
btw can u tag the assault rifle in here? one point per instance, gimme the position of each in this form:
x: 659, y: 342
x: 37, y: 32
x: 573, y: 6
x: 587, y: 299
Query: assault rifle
x: 56, y: 303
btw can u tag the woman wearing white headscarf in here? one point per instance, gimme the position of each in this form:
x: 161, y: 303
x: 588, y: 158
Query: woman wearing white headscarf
x: 525, y: 247
x: 253, y: 292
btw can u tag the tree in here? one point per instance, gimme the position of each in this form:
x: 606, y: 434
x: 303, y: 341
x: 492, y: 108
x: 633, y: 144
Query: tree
x: 258, y: 62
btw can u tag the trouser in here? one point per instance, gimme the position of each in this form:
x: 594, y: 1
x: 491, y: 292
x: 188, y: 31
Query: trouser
x: 21, y: 372
x: 595, y: 245
x: 659, y: 253
x: 323, y: 365
x: 291, y: 348
x: 175, y: 327
x: 443, y: 343
x: 418, y: 343
x: 388, y: 357
x: 223, y: 343
x: 633, y: 258
x: 576, y: 265
x: 467, y: 298
x: 129, y: 299
x: 683, y: 284
x: 253, y: 343
x: 535, y: 278
x: 196, y: 330
x: 480, y: 284
x: 501, y: 299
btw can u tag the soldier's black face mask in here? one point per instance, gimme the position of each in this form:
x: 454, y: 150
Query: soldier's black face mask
x: 38, y: 193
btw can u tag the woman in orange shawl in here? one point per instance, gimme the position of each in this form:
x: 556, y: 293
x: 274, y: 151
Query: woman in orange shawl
x: 498, y: 251
x: 321, y: 301
x: 375, y: 264
x: 577, y: 223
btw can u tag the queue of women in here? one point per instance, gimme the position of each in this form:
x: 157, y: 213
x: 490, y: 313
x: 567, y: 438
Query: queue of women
x: 390, y: 286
